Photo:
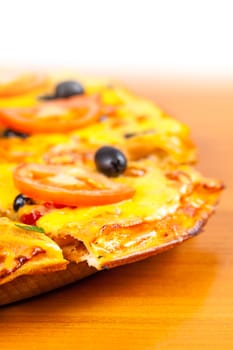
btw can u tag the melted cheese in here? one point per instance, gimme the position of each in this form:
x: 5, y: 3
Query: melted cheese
x: 155, y: 197
x: 26, y: 252
x: 138, y: 115
x: 31, y: 149
x: 8, y: 192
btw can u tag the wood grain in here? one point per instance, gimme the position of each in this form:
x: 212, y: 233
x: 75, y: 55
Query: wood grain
x: 181, y: 299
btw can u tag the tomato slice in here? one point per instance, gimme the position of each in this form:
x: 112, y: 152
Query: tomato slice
x: 15, y: 83
x: 69, y: 185
x: 61, y: 115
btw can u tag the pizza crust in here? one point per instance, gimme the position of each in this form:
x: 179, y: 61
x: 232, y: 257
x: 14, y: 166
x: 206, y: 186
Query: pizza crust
x: 27, y: 286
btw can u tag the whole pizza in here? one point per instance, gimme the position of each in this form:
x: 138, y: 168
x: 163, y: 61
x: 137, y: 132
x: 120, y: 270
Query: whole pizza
x: 91, y: 177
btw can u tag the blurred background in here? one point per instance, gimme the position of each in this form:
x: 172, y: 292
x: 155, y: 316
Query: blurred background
x: 188, y: 39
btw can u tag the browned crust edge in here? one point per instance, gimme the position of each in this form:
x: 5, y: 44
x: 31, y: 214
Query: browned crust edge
x: 199, y: 222
x: 27, y: 286
x: 196, y: 229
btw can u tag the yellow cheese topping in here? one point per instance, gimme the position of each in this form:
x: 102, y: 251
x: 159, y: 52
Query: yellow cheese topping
x: 24, y: 252
x: 156, y: 197
x: 8, y: 192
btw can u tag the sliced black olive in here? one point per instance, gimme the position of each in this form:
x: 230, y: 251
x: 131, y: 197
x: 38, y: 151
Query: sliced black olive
x: 110, y: 161
x: 20, y: 201
x: 68, y: 88
x: 8, y: 133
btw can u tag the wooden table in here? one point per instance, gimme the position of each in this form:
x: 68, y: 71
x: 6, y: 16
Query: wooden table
x: 181, y: 299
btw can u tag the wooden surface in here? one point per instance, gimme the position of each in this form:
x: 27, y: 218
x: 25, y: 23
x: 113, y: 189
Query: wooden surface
x: 181, y: 299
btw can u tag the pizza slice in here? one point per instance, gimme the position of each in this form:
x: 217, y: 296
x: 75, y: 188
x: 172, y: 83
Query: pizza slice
x: 92, y: 177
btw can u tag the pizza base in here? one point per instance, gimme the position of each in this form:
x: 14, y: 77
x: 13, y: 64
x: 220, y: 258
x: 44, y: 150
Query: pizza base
x: 27, y: 286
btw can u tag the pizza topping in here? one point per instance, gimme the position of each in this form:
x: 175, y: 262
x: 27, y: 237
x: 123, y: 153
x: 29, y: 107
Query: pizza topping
x: 31, y: 218
x: 51, y: 206
x: 69, y: 185
x: 68, y: 88
x: 135, y: 171
x: 31, y: 228
x: 70, y: 154
x: 8, y: 133
x: 63, y: 115
x: 64, y: 90
x: 110, y: 161
x: 20, y: 201
x: 26, y: 250
x: 47, y: 97
x: 129, y: 135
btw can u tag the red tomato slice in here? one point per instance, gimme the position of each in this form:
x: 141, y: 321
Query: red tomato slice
x: 15, y: 83
x: 61, y: 115
x: 69, y: 185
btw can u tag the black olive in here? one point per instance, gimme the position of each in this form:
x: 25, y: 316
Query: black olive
x: 110, y: 161
x: 20, y: 201
x: 68, y: 88
x: 63, y: 90
x: 8, y: 133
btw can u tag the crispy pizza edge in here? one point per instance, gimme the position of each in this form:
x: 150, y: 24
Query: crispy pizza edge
x: 27, y: 286
x: 199, y: 220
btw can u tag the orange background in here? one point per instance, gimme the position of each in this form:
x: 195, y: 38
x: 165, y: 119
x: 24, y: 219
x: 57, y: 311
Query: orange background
x: 181, y: 299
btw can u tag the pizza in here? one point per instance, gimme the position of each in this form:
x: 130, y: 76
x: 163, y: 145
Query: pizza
x: 91, y: 177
